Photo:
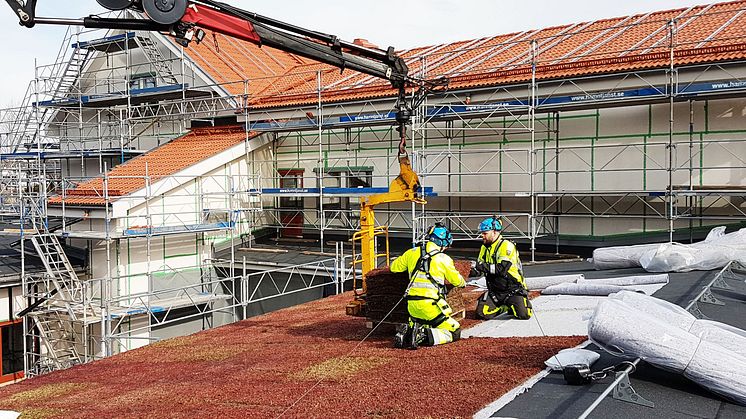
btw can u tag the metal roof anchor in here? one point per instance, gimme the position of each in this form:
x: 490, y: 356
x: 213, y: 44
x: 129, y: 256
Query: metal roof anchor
x: 625, y: 392
x: 708, y: 297
x: 721, y: 284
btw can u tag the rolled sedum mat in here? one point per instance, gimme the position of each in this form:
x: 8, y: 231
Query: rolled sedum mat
x: 620, y: 256
x: 624, y: 331
x: 657, y: 308
x: 629, y: 330
x: 729, y: 337
x: 582, y: 289
x: 541, y: 282
x: 629, y: 280
x: 719, y: 370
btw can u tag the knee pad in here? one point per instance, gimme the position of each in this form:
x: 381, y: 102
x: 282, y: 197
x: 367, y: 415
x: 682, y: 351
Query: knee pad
x: 523, y: 316
x: 429, y: 339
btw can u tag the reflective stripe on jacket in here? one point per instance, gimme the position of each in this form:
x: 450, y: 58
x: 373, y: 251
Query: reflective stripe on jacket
x: 441, y: 269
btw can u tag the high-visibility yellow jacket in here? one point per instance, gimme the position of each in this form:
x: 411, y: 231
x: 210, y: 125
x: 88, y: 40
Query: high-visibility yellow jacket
x: 499, y: 251
x: 441, y: 269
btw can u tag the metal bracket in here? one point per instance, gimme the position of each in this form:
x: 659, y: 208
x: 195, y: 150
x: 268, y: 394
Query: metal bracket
x: 696, y: 312
x: 625, y: 392
x: 708, y: 298
x: 720, y: 283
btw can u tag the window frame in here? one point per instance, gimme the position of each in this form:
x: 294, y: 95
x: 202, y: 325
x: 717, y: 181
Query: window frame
x: 16, y: 375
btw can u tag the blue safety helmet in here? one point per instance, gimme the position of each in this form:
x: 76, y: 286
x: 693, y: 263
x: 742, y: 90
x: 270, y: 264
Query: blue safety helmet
x: 489, y: 224
x: 440, y: 235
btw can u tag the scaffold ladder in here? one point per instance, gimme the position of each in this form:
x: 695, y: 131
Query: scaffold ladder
x: 59, y: 338
x: 155, y: 57
x: 60, y: 272
x: 70, y: 75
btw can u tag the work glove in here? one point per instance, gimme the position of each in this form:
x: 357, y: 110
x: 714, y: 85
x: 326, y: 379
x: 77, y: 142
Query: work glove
x: 474, y: 272
x: 487, y: 268
x: 481, y: 267
x: 501, y: 269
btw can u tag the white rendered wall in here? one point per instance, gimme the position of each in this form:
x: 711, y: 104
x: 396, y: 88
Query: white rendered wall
x: 600, y: 151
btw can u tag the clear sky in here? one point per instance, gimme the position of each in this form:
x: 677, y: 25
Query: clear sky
x: 399, y: 23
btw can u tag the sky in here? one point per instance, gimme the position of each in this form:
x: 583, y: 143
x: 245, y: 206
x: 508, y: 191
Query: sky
x: 399, y: 23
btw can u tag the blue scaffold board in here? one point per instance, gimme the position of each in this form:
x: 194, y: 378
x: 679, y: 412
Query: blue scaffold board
x: 92, y: 99
x: 428, y: 191
x: 144, y: 231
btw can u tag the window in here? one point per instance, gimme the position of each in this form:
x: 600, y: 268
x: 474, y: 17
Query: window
x: 142, y: 81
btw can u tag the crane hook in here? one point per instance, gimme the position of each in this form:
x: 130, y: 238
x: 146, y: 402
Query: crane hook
x: 403, y: 116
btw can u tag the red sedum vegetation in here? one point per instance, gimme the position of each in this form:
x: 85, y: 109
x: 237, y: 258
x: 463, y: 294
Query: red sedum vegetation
x: 262, y: 366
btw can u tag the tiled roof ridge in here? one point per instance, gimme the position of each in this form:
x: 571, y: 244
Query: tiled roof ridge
x: 650, y: 57
x: 652, y: 18
x: 92, y: 192
x: 223, y: 129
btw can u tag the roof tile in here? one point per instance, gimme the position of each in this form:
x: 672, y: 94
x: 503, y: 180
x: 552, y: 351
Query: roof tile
x: 161, y: 162
x: 618, y: 44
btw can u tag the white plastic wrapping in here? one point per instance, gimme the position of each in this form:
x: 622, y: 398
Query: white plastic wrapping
x: 572, y: 356
x: 582, y: 289
x: 729, y: 337
x: 628, y: 280
x: 541, y: 282
x: 624, y: 331
x: 715, y: 233
x: 719, y: 370
x: 620, y: 256
x: 713, y: 253
x: 536, y: 283
x: 657, y: 308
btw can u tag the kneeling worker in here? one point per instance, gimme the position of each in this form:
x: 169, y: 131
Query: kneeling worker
x: 430, y: 321
x: 501, y: 266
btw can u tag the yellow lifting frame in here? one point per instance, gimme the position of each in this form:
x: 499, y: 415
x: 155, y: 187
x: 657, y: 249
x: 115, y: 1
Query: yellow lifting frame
x: 402, y: 189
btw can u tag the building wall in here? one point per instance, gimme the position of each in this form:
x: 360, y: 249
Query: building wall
x: 11, y: 302
x: 591, y: 151
x: 170, y: 266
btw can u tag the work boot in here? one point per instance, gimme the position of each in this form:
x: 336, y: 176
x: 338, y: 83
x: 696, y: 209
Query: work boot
x: 400, y: 338
x: 414, y: 337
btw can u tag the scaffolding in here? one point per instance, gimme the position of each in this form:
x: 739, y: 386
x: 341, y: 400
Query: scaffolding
x: 543, y: 180
x: 551, y: 155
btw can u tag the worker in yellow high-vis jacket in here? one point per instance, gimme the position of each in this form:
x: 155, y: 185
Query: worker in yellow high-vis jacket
x: 430, y: 321
x: 499, y: 262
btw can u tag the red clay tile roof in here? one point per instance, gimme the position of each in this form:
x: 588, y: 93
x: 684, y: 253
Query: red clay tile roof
x: 301, y: 362
x: 709, y: 33
x: 161, y: 162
